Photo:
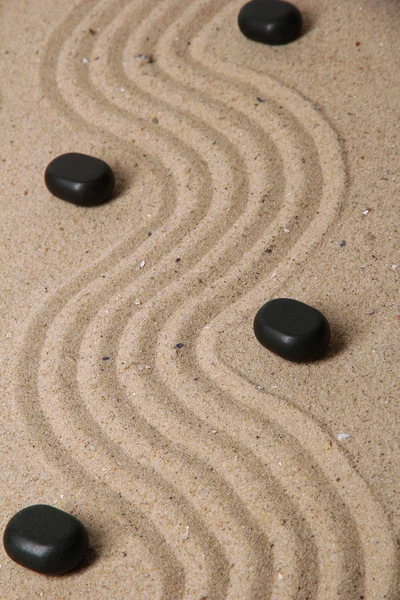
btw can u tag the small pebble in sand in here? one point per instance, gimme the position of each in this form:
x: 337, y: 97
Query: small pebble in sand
x: 342, y: 243
x: 343, y: 436
x: 45, y: 539
x: 270, y: 22
x: 81, y: 179
x: 179, y: 345
x: 142, y: 264
x: 292, y: 329
x: 147, y: 58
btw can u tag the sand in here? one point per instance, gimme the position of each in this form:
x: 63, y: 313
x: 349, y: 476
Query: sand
x: 216, y: 470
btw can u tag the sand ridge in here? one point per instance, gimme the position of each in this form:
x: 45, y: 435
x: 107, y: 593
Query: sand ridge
x: 182, y: 452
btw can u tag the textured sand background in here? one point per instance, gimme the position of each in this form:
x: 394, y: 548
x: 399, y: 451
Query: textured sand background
x: 213, y: 471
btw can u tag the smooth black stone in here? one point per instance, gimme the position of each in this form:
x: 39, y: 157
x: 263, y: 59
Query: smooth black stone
x: 45, y: 539
x: 270, y: 21
x: 80, y: 179
x: 292, y: 329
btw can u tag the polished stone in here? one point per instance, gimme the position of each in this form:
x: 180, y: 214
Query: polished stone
x: 45, y: 539
x: 270, y: 21
x: 292, y: 329
x: 80, y: 179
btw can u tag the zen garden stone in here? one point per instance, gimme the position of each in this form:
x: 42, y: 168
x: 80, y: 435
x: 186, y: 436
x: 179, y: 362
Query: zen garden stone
x: 45, y: 539
x: 80, y: 179
x: 270, y: 21
x: 292, y: 329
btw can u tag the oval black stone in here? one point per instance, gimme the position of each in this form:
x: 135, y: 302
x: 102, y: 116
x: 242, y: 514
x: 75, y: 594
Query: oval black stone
x: 80, y: 179
x: 45, y: 539
x: 292, y: 329
x: 270, y: 21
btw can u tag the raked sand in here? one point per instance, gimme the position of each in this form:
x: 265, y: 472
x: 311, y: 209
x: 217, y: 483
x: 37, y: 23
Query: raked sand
x: 216, y: 470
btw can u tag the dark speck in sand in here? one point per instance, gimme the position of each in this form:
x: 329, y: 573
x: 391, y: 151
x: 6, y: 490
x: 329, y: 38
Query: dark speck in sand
x: 180, y: 345
x: 149, y: 58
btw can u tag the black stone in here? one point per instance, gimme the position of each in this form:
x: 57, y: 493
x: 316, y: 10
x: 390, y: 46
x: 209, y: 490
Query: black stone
x: 270, y: 21
x: 292, y: 329
x: 80, y: 179
x: 45, y: 539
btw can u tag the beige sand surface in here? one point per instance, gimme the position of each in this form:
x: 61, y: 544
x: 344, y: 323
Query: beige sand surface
x: 213, y: 471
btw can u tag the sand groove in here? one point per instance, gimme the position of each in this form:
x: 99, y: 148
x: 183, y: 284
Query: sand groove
x: 172, y: 447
